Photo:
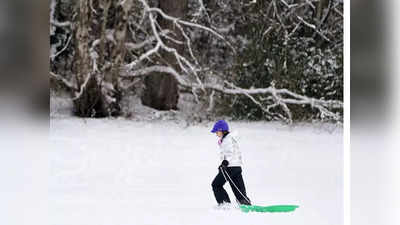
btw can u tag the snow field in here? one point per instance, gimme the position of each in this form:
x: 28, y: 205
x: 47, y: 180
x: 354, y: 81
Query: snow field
x: 117, y: 172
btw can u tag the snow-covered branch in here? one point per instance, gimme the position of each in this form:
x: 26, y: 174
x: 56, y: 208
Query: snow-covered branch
x: 312, y: 26
x: 310, y: 4
x: 82, y: 87
x: 60, y: 24
x: 67, y: 83
x: 337, y: 10
x: 52, y: 57
x: 159, y: 69
x: 94, y: 55
x: 287, y: 5
x: 287, y: 37
x: 184, y: 63
x: 279, y: 97
x: 202, y: 9
x: 300, y: 18
x: 144, y: 56
x: 211, y: 102
x: 189, y: 24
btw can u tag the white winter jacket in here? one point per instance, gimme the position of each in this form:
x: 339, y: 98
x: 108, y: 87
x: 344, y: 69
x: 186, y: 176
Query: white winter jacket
x: 229, y: 150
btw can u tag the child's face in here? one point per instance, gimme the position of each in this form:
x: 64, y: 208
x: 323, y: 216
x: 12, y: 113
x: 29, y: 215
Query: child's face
x: 219, y: 134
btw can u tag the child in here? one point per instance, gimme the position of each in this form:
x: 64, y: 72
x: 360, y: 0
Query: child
x: 230, y: 169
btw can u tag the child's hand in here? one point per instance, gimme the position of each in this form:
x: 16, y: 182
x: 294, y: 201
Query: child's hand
x: 224, y: 164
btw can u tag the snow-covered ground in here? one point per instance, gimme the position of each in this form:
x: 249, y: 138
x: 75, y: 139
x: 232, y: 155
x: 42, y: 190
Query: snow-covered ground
x: 118, y: 171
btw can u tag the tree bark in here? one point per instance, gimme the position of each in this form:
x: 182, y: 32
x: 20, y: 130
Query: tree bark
x: 88, y: 104
x: 93, y: 98
x: 161, y: 90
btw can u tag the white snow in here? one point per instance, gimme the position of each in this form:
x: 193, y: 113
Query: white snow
x: 118, y: 171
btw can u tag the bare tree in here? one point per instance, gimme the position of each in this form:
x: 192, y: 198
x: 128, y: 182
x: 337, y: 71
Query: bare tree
x: 118, y: 42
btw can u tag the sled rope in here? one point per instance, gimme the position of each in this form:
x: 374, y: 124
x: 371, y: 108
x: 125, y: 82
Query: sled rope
x: 222, y: 170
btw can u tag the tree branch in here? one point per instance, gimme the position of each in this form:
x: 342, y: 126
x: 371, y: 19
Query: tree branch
x: 65, y: 82
x: 176, y: 20
x: 291, y: 98
x: 52, y: 57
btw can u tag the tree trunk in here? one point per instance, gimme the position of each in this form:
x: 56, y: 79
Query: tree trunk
x: 100, y: 97
x: 161, y: 90
x: 89, y: 103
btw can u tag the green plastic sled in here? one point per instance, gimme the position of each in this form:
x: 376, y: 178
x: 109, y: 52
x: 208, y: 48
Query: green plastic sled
x: 272, y: 208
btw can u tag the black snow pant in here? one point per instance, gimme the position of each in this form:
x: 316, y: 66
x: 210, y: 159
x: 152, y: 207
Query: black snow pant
x: 235, y: 173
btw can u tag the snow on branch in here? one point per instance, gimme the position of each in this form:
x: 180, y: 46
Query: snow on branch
x: 53, y: 56
x: 211, y: 102
x: 82, y: 87
x: 310, y: 4
x: 274, y: 102
x: 144, y: 56
x: 184, y: 63
x: 312, y: 26
x: 189, y: 24
x: 303, y: 21
x: 337, y: 10
x: 159, y: 69
x: 64, y: 81
x: 203, y: 9
x: 287, y: 5
x: 277, y: 97
x: 60, y: 24
x: 135, y: 46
